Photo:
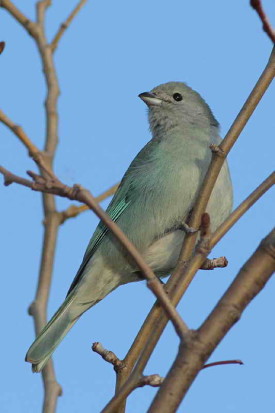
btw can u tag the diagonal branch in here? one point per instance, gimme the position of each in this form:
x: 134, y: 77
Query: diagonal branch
x: 74, y: 210
x: 28, y: 24
x: 20, y: 133
x: 56, y: 187
x: 190, y: 359
x: 66, y: 24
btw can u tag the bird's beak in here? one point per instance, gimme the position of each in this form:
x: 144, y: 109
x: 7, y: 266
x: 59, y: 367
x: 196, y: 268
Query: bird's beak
x: 150, y: 99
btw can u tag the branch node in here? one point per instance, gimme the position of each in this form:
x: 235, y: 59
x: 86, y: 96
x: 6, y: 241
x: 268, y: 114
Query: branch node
x: 216, y: 149
x: 64, y: 26
x: 203, y: 246
x: 31, y: 308
x: 153, y: 380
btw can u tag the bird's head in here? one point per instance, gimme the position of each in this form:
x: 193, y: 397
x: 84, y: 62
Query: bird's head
x: 174, y: 104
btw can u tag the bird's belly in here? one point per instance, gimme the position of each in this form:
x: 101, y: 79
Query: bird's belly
x: 163, y: 254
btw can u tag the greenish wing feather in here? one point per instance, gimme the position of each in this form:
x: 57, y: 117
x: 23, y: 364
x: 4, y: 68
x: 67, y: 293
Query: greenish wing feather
x: 125, y: 194
x: 114, y: 210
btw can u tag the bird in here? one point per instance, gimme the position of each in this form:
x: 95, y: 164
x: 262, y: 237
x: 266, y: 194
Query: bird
x: 152, y: 205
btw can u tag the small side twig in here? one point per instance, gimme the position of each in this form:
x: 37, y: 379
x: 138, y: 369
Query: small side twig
x: 211, y: 264
x: 222, y: 363
x: 153, y: 380
x: 20, y: 133
x: 66, y: 24
x: 108, y: 356
x: 257, y: 6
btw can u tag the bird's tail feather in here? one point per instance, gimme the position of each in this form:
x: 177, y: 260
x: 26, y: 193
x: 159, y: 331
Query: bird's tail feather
x: 82, y: 297
x: 51, y: 335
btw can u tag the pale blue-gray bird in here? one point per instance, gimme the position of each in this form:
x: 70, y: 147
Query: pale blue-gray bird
x: 151, y: 206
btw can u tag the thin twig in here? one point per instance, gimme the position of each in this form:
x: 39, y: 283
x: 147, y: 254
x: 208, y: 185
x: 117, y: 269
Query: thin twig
x: 257, y: 6
x: 222, y: 363
x: 20, y: 133
x: 211, y: 264
x: 107, y: 355
x: 74, y: 210
x: 41, y: 7
x: 66, y: 24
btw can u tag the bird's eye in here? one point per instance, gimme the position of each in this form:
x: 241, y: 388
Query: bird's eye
x: 177, y: 97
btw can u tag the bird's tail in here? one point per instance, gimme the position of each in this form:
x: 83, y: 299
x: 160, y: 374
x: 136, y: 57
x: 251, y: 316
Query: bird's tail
x: 83, y: 296
x: 51, y: 335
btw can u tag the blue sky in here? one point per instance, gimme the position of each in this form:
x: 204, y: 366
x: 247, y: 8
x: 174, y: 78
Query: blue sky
x: 112, y: 52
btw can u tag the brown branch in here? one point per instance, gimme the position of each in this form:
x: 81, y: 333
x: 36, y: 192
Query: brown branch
x: 155, y: 322
x: 20, y: 133
x: 74, y: 210
x: 107, y: 355
x: 66, y: 24
x: 248, y: 283
x: 38, y: 308
x: 29, y: 25
x: 41, y: 7
x: 44, y: 160
x: 55, y: 186
x: 257, y: 6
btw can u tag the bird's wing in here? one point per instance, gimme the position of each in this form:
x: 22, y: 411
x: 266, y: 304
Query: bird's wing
x: 115, y: 209
x: 125, y: 195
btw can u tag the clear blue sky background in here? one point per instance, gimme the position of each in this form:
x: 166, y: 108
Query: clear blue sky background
x: 111, y: 53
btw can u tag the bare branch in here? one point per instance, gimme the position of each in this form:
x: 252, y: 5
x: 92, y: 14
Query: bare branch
x: 66, y: 24
x: 107, y: 355
x: 153, y: 380
x: 41, y: 7
x: 74, y: 210
x: 248, y: 283
x: 55, y: 186
x: 28, y: 24
x: 257, y: 6
x: 20, y: 133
